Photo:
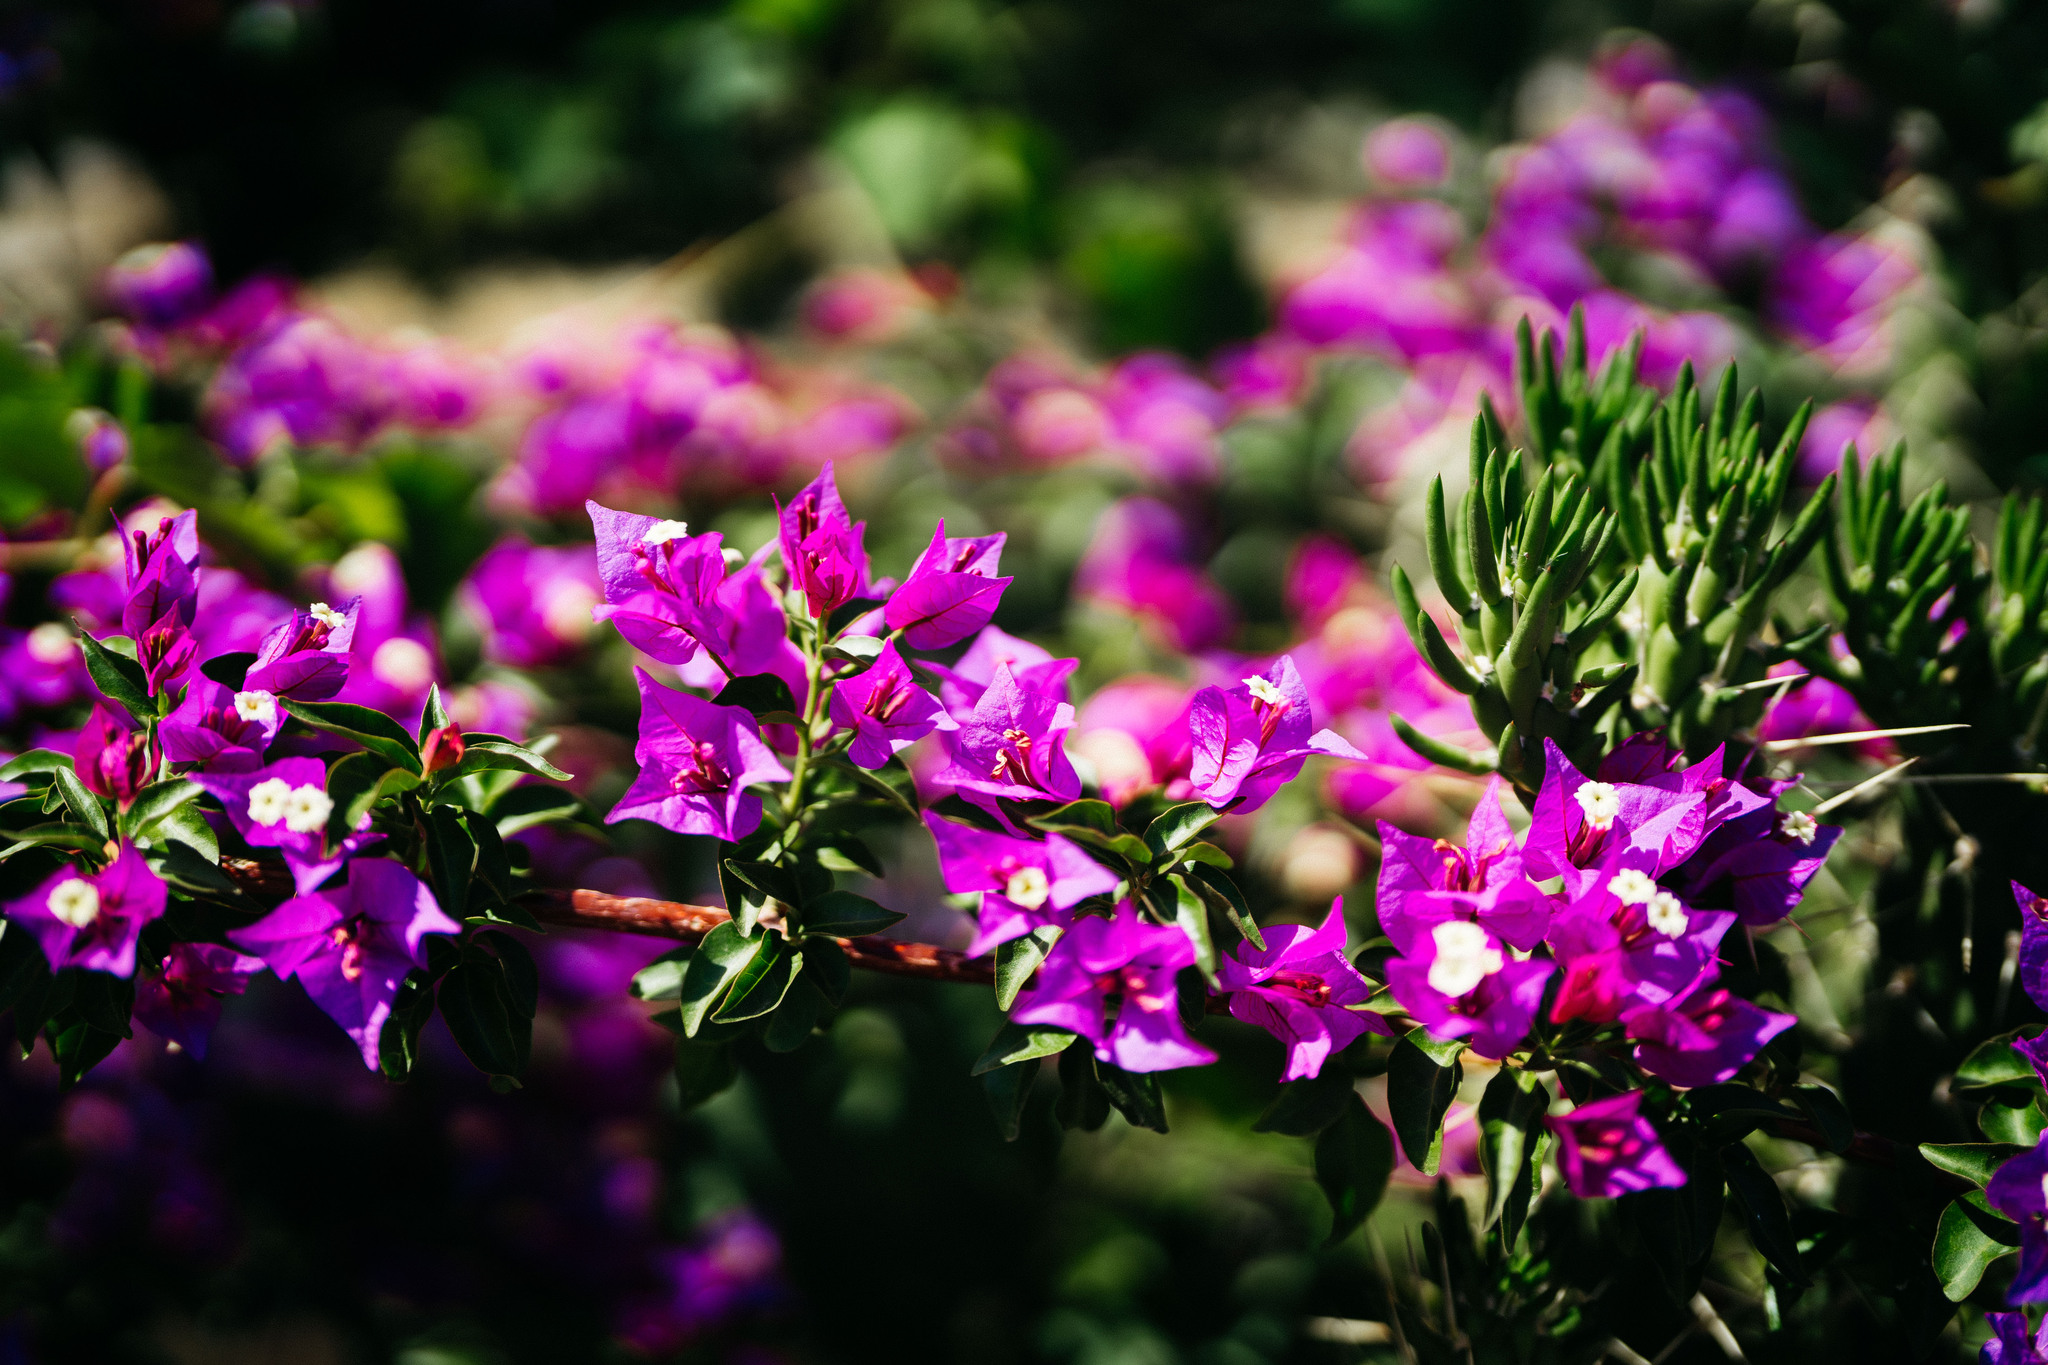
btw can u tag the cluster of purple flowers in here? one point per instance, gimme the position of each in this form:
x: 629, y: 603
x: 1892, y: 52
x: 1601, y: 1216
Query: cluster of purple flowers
x: 349, y: 945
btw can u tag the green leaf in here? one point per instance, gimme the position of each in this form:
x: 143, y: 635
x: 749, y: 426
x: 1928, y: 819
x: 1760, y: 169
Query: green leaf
x: 79, y: 1048
x: 1093, y: 823
x: 374, y: 730
x: 796, y: 1018
x: 826, y: 969
x: 1975, y: 1162
x: 662, y: 979
x: 398, y: 1046
x: 762, y: 983
x: 184, y: 867
x: 433, y: 716
x: 1730, y: 1112
x: 848, y: 853
x: 33, y: 762
x: 746, y: 896
x: 120, y: 680
x: 82, y: 802
x: 718, y: 961
x: 1191, y: 916
x: 1018, y: 958
x: 525, y: 807
x: 1207, y: 853
x: 155, y: 802
x: 1083, y: 1103
x: 1224, y: 895
x: 451, y: 862
x: 229, y: 670
x: 764, y: 694
x: 1763, y: 1207
x: 485, y: 756
x: 1419, y: 1093
x: 1354, y: 1158
x: 1828, y: 1113
x: 1135, y: 1094
x: 1178, y: 825
x: 842, y: 914
x: 1304, y: 1108
x: 1007, y: 1090
x: 493, y: 863
x: 1015, y: 1043
x: 522, y: 977
x: 54, y: 834
x: 703, y: 1069
x: 1969, y: 1237
x: 1439, y: 752
x: 1993, y: 1062
x: 856, y: 649
x: 1510, y: 1136
x: 476, y: 1000
x: 2021, y: 1124
x: 187, y: 825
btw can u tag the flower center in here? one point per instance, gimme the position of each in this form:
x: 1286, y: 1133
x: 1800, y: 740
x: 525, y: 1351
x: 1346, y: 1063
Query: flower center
x: 1028, y: 887
x: 326, y: 616
x: 1601, y: 803
x: 888, y: 697
x: 699, y: 772
x: 256, y: 708
x: 1799, y: 825
x: 74, y: 902
x: 662, y: 532
x: 1016, y: 749
x: 1465, y: 956
x: 351, y: 938
x: 1666, y: 915
x: 1307, y: 987
x: 267, y: 800
x: 306, y: 810
x: 1631, y: 887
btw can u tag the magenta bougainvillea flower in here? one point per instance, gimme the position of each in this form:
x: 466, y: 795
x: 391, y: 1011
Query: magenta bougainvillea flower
x: 285, y: 806
x: 351, y: 946
x: 951, y: 591
x: 1250, y: 740
x: 161, y: 284
x: 697, y: 759
x: 1703, y: 1038
x: 158, y: 618
x: 2019, y: 1190
x: 1424, y: 882
x: 1025, y: 883
x: 2033, y: 944
x: 144, y: 548
x: 180, y: 1001
x: 1625, y: 942
x: 1124, y: 962
x: 1034, y: 670
x: 221, y: 729
x: 660, y: 583
x: 1298, y: 988
x: 532, y: 603
x: 749, y: 633
x: 1012, y: 747
x: 821, y: 547
x: 1608, y: 1148
x: 114, y: 756
x: 306, y: 658
x: 1462, y: 982
x: 1756, y: 864
x: 2012, y: 1342
x: 886, y: 711
x: 93, y: 920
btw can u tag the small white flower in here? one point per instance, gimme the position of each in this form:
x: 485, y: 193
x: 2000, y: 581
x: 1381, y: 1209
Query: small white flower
x: 1601, y: 803
x: 1632, y: 887
x: 306, y: 810
x: 75, y: 902
x: 662, y: 532
x: 1548, y: 691
x: 257, y: 708
x: 327, y: 616
x: 1028, y: 887
x: 1666, y: 915
x: 51, y: 643
x: 1263, y: 690
x: 267, y: 801
x: 1465, y: 956
x: 1799, y: 825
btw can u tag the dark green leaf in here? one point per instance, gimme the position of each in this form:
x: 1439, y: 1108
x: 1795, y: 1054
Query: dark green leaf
x: 1178, y: 825
x: 21, y: 966
x: 120, y: 680
x: 762, y: 983
x: 1730, y: 1112
x: 527, y: 806
x: 374, y: 730
x: 719, y: 959
x: 79, y: 1048
x: 1419, y: 1094
x: 855, y: 649
x: 1191, y: 916
x: 1305, y: 1108
x: 1354, y: 1158
x: 451, y: 861
x: 433, y: 716
x: 1764, y: 1213
x: 764, y: 694
x: 1015, y: 1043
x: 522, y: 978
x: 1093, y: 823
x: 493, y: 863
x: 1828, y: 1113
x: 702, y: 1070
x: 752, y: 887
x: 1017, y: 959
x: 842, y: 914
x: 84, y: 805
x: 54, y: 834
x: 1008, y: 1089
x: 1224, y: 895
x: 1993, y: 1062
x: 2021, y: 1124
x: 796, y: 1018
x: 826, y: 969
x: 105, y: 1001
x: 1510, y: 1133
x: 1083, y: 1103
x: 1207, y: 853
x: 1969, y: 1237
x: 1975, y: 1162
x: 848, y: 853
x: 476, y: 1000
x: 229, y: 670
x: 483, y: 756
x: 357, y: 782
x: 1135, y: 1095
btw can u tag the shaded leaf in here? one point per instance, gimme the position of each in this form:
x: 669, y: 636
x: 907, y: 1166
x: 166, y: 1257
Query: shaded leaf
x: 119, y: 679
x: 1306, y: 1107
x: 1018, y: 958
x: 703, y: 1069
x: 1419, y: 1093
x: 1178, y: 825
x: 1016, y: 1043
x: 1135, y: 1095
x: 374, y: 730
x: 1354, y: 1158
x: 719, y: 959
x: 762, y: 983
x: 764, y: 694
x: 1975, y: 1162
x: 1970, y: 1236
x: 482, y: 756
x: 843, y: 914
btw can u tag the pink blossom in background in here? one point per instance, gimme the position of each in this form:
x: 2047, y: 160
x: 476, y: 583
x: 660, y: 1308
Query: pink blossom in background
x: 1134, y: 733
x: 1142, y: 560
x: 862, y: 306
x: 1861, y: 422
x: 1407, y: 154
x: 532, y: 604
